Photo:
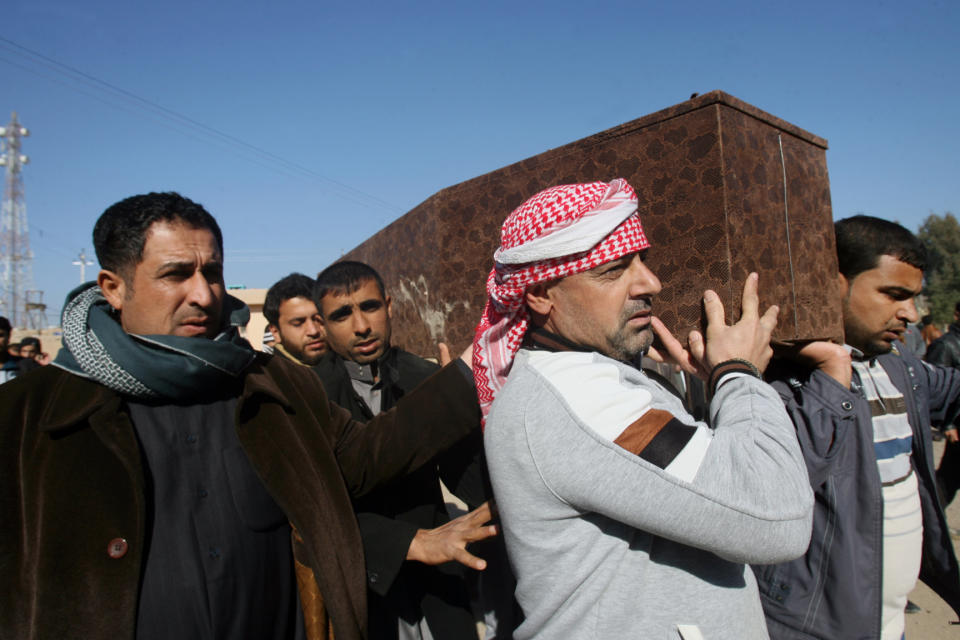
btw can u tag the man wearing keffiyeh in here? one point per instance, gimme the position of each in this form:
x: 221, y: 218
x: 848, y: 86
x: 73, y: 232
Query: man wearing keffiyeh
x: 164, y: 480
x: 623, y: 516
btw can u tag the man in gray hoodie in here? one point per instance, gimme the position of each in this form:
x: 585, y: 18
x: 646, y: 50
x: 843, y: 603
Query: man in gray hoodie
x: 623, y: 516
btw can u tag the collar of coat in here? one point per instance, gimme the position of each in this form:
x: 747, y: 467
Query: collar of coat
x: 85, y: 397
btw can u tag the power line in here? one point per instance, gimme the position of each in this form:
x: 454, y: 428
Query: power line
x: 172, y: 124
x: 209, y: 134
x: 43, y: 234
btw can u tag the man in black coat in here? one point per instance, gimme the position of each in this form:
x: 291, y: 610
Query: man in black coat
x: 161, y: 479
x: 399, y: 525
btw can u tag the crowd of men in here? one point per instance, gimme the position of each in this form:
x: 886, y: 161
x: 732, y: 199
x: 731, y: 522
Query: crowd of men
x: 165, y: 480
x: 18, y: 357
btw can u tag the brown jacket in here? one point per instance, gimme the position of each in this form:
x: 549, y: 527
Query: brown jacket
x: 72, y: 488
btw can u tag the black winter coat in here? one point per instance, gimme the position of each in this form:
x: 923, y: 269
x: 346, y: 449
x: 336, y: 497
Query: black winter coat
x: 389, y: 518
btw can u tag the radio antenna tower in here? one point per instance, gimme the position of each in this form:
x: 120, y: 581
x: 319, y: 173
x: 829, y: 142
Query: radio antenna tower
x: 16, y: 272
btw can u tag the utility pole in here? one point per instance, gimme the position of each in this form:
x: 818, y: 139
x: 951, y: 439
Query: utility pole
x: 16, y: 269
x: 83, y: 263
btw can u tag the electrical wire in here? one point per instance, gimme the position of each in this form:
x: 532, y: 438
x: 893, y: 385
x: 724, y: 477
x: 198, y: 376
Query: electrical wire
x: 183, y: 124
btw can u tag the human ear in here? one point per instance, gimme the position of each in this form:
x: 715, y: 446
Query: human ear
x: 538, y: 299
x: 842, y: 286
x: 273, y: 329
x: 113, y: 286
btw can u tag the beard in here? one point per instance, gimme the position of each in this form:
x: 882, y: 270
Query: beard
x: 628, y: 344
x: 869, y: 342
x: 876, y: 348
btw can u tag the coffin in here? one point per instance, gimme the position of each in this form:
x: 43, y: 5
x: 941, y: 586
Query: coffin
x: 724, y: 189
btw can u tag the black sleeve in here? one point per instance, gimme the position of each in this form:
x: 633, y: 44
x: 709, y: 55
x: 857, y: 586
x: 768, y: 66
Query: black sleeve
x: 939, y: 353
x: 385, y: 545
x: 463, y: 469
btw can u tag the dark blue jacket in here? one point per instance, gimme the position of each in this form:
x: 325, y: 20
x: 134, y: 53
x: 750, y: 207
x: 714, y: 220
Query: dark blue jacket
x: 834, y: 591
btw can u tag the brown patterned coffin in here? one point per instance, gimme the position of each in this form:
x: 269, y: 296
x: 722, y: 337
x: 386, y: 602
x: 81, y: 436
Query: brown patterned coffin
x: 724, y: 189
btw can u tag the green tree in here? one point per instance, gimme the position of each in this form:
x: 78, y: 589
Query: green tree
x: 941, y: 235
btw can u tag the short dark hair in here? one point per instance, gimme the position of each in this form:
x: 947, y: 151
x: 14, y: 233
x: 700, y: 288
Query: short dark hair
x: 295, y: 285
x: 346, y: 277
x: 5, y: 325
x: 861, y: 240
x: 121, y: 231
x: 30, y: 340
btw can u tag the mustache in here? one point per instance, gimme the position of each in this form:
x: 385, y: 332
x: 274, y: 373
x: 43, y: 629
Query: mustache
x: 637, y: 305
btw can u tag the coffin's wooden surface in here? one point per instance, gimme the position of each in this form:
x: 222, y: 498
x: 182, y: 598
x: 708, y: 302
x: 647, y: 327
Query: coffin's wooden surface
x: 723, y: 188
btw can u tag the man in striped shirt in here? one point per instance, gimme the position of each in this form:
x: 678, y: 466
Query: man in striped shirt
x: 862, y: 416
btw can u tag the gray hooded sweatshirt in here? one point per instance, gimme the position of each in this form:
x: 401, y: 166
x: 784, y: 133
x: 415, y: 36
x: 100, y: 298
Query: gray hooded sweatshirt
x: 624, y: 517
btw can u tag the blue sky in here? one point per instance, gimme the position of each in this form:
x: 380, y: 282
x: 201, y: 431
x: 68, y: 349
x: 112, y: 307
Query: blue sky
x: 338, y: 118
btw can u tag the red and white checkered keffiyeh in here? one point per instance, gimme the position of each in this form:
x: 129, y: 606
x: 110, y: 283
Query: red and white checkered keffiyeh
x: 558, y: 232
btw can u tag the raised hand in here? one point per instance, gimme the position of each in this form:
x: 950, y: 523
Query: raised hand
x: 445, y: 358
x: 748, y: 339
x: 672, y: 352
x: 830, y: 358
x: 444, y: 350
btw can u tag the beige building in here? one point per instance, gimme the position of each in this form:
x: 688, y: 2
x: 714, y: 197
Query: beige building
x: 254, y: 298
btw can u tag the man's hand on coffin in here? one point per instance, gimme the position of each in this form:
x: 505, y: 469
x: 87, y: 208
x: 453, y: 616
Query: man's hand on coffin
x: 748, y: 339
x: 830, y: 358
x: 668, y: 349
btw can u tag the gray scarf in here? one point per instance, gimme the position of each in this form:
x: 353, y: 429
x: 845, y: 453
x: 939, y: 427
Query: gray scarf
x: 95, y: 346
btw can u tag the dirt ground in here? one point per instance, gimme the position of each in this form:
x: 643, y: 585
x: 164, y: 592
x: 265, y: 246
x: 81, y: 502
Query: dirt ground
x: 934, y: 622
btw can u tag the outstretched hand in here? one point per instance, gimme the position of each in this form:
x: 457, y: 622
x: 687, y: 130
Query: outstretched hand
x: 449, y: 541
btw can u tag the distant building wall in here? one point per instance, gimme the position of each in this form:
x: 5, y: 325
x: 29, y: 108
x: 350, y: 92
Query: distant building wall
x: 254, y: 298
